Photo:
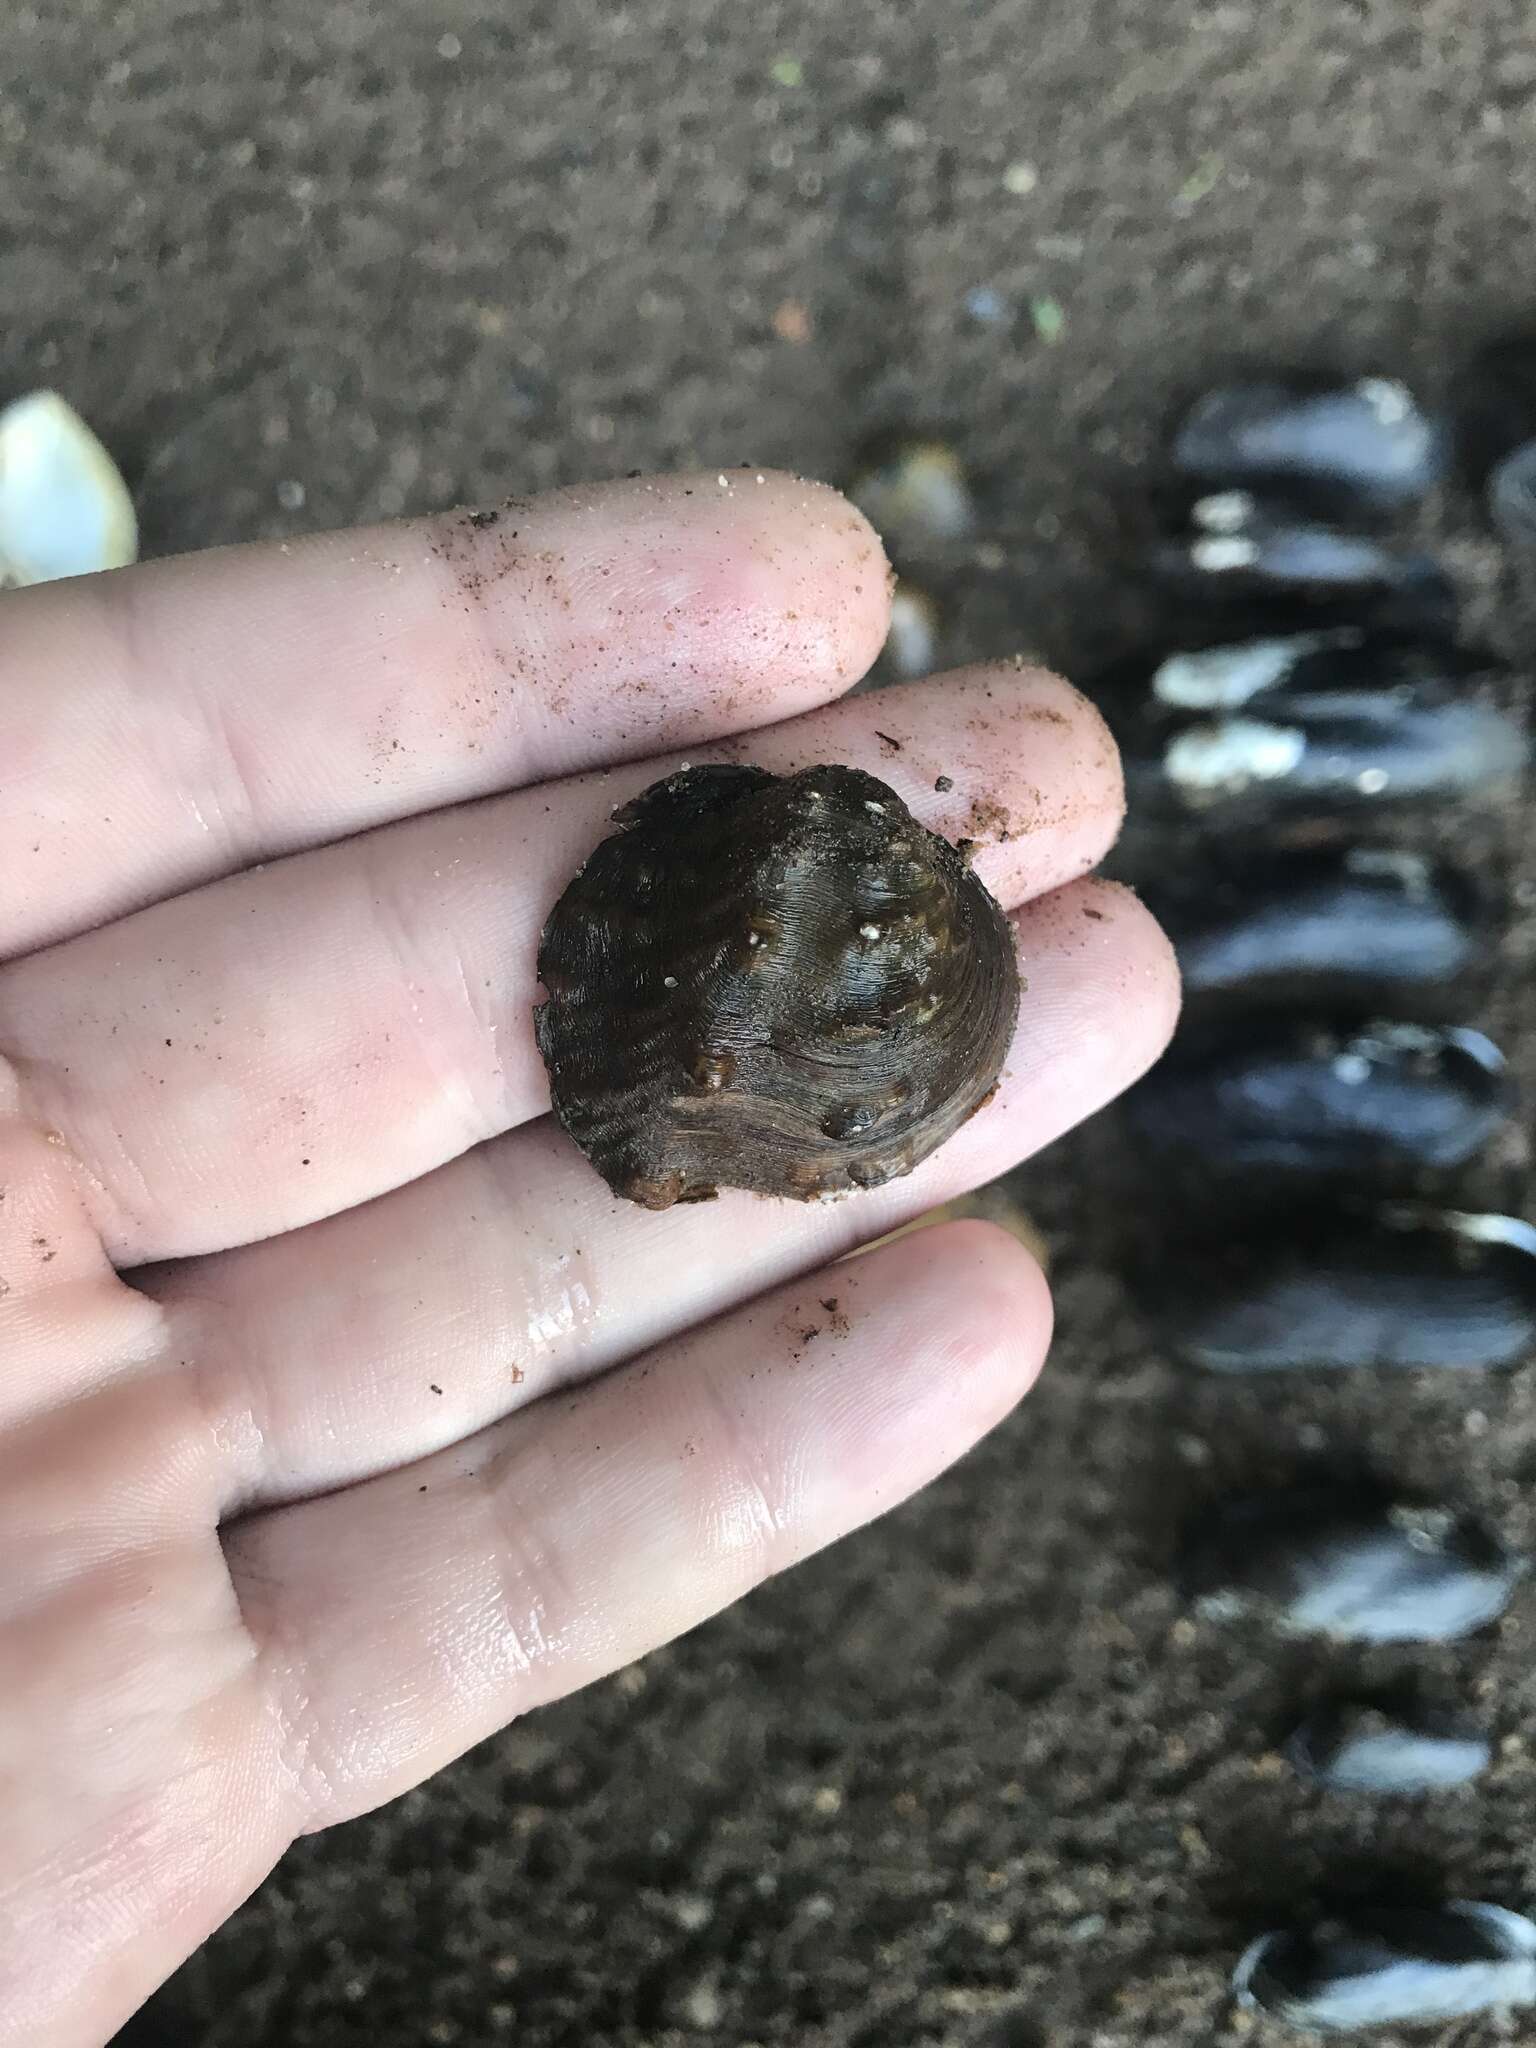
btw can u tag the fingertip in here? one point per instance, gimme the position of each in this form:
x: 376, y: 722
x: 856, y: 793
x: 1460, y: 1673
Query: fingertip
x: 757, y: 593
x: 978, y: 1312
x: 1005, y: 1321
x: 1005, y: 758
x: 1088, y: 776
x: 1151, y: 973
x: 809, y: 581
x: 1108, y: 1000
x: 1099, y: 744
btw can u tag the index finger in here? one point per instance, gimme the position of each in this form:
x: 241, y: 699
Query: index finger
x: 166, y: 725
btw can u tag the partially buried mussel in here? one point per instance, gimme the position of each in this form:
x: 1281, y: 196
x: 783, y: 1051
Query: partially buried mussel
x: 1311, y: 1097
x: 1408, y: 1288
x: 1370, y: 927
x: 1512, y: 496
x: 1497, y: 432
x: 1350, y: 1746
x: 782, y: 983
x: 1495, y: 403
x: 1391, y: 1967
x: 1333, y: 742
x: 1353, y: 1564
x: 1356, y: 448
x: 1237, y: 549
x: 1331, y: 664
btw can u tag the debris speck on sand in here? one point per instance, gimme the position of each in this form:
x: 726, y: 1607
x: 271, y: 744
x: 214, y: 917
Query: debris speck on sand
x: 1049, y: 318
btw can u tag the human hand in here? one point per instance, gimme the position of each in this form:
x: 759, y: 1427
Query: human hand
x: 399, y: 1423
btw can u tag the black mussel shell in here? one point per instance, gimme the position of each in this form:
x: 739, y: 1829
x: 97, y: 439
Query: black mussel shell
x: 1312, y: 1097
x: 782, y: 983
x: 1366, y: 927
x: 1328, y: 663
x: 1415, y: 1289
x: 1391, y: 1967
x: 1241, y: 551
x: 1512, y: 496
x: 1352, y: 1747
x: 1324, y: 753
x: 1355, y: 1566
x: 1495, y: 404
x: 1363, y: 448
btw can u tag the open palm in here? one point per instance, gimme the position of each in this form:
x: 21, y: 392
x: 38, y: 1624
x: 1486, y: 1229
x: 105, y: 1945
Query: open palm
x: 396, y: 1422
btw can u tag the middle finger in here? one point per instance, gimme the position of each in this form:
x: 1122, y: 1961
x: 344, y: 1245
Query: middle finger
x: 275, y: 1048
x: 376, y: 1337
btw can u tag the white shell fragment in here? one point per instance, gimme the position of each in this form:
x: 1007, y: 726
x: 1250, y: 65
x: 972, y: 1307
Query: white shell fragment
x: 911, y: 644
x: 1222, y: 678
x: 1224, y: 511
x: 64, y: 508
x: 1222, y: 759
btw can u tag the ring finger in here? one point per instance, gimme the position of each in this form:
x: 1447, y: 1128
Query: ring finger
x: 402, y: 1620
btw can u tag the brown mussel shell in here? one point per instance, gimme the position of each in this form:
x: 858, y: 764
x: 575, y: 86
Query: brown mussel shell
x: 782, y: 983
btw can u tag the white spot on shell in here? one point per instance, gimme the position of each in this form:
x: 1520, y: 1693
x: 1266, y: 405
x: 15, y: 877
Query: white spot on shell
x: 1473, y: 1044
x: 1222, y: 678
x: 1484, y: 1229
x: 1223, y: 511
x: 1371, y: 781
x: 869, y: 931
x: 1411, y: 869
x: 1219, y: 552
x: 1390, y: 401
x: 1222, y: 759
x: 1385, y: 1039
